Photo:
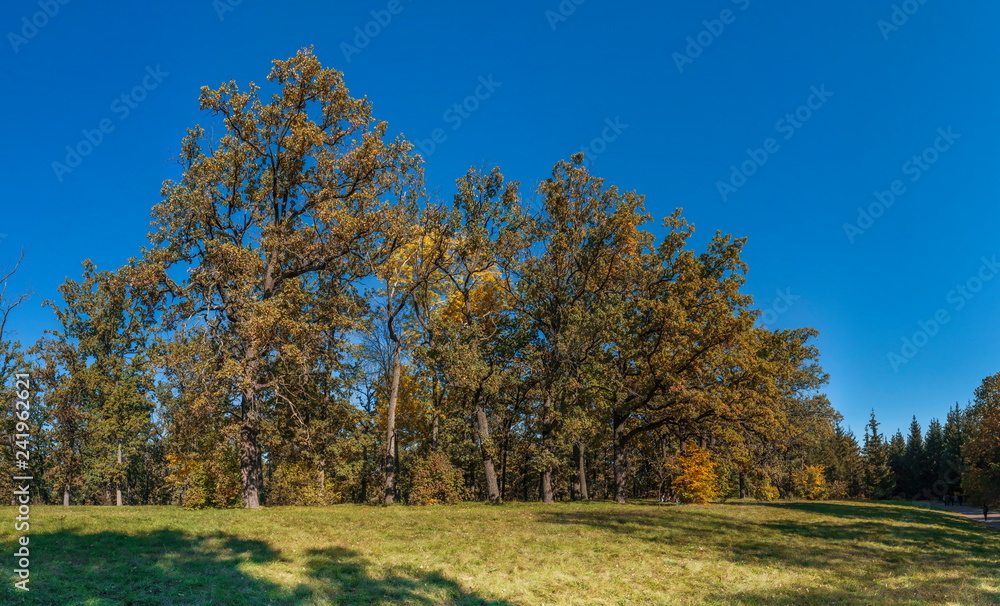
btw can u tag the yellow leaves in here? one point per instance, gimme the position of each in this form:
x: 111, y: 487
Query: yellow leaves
x: 810, y: 482
x: 487, y: 295
x: 697, y: 481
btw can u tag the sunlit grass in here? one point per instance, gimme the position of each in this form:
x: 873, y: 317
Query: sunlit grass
x: 571, y: 553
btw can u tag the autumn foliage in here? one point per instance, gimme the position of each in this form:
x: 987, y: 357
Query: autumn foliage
x: 696, y: 481
x: 436, y: 481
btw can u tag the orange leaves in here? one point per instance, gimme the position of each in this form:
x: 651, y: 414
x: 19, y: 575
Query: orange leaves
x: 696, y: 481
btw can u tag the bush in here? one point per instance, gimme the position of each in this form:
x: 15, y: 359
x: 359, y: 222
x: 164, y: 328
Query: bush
x: 436, y: 480
x: 300, y: 483
x: 810, y: 482
x: 210, y: 481
x: 697, y: 481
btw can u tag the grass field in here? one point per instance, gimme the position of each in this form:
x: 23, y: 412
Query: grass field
x: 573, y: 553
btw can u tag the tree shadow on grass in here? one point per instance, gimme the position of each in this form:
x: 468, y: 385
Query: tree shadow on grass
x: 885, y: 553
x: 174, y: 568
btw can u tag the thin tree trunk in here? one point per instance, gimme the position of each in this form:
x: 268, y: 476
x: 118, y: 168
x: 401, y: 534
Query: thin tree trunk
x: 486, y: 448
x: 436, y: 419
x: 66, y: 495
x: 251, y: 465
x: 389, y: 462
x: 118, y: 485
x: 364, y: 476
x: 580, y: 479
x: 503, y: 462
x: 620, y: 461
x: 546, y: 480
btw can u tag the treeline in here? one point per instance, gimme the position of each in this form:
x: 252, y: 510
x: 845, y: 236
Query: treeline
x: 308, y: 326
x: 958, y: 461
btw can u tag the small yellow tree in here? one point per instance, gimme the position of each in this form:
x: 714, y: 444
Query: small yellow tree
x: 810, y: 482
x: 696, y: 481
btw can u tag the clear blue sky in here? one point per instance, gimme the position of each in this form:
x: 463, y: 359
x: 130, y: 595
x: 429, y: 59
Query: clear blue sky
x: 684, y: 111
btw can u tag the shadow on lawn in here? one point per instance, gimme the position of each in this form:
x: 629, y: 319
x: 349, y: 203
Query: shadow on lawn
x: 169, y: 567
x: 861, y: 551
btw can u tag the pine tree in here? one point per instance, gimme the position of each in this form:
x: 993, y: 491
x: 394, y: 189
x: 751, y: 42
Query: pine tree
x: 954, y: 436
x: 934, y: 477
x: 913, y: 480
x: 879, y: 481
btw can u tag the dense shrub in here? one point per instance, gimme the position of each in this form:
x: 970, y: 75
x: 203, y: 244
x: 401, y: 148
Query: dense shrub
x: 696, y: 480
x: 435, y: 480
x: 810, y: 482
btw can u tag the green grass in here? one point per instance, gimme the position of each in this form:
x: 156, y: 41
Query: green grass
x: 579, y: 553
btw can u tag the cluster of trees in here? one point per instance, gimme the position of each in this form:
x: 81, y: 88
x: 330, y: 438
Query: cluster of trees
x: 956, y: 460
x: 306, y: 323
x: 308, y: 326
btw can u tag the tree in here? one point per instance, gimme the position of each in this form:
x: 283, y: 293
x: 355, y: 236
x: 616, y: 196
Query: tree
x: 484, y: 342
x: 696, y: 480
x: 810, y: 482
x: 99, y: 371
x: 981, y: 480
x: 260, y: 239
x: 584, y: 237
x: 8, y: 303
x: 913, y: 479
x: 879, y: 482
x: 934, y: 483
x: 404, y: 260
x: 954, y: 436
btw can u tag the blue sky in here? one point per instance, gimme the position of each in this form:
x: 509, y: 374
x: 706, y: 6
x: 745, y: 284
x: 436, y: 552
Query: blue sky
x: 773, y: 120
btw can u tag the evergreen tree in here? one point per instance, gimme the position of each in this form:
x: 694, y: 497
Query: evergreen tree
x: 879, y: 481
x: 952, y: 463
x: 913, y: 466
x: 933, y: 477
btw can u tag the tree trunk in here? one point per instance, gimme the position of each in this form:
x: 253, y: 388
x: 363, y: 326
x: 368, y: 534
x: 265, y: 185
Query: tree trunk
x: 620, y: 461
x: 66, y: 495
x: 118, y: 485
x: 364, y: 476
x: 322, y: 483
x: 251, y: 465
x: 436, y: 419
x: 546, y: 481
x: 743, y: 485
x: 389, y: 462
x: 503, y: 465
x: 580, y: 479
x: 486, y: 448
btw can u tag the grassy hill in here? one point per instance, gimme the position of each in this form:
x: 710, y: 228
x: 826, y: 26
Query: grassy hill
x: 519, y: 554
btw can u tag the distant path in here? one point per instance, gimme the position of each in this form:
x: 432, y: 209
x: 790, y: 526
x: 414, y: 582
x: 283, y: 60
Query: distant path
x: 973, y: 513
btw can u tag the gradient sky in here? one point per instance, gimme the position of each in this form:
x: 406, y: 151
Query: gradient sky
x: 818, y: 106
